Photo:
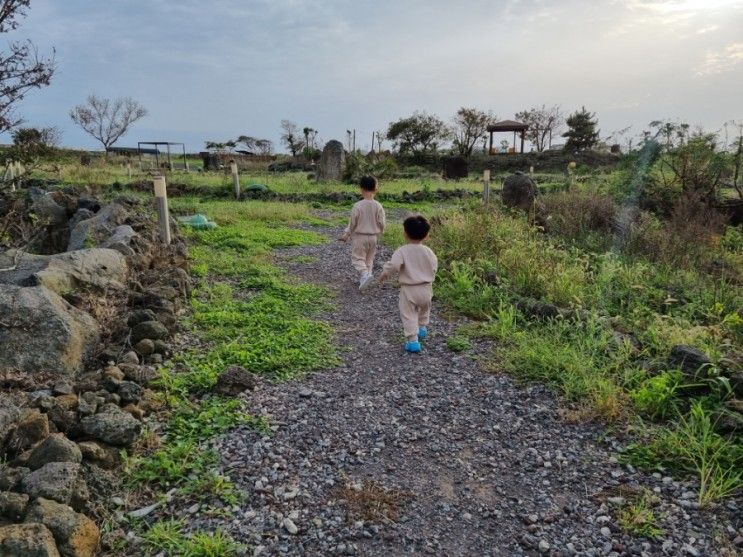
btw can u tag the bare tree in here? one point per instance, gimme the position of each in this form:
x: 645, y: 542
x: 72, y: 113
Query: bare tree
x: 107, y: 120
x: 543, y: 123
x: 21, y: 67
x: 468, y: 126
x: 290, y: 137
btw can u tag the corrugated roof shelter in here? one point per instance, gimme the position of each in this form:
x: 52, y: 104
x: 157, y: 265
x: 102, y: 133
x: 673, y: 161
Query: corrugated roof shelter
x: 508, y: 126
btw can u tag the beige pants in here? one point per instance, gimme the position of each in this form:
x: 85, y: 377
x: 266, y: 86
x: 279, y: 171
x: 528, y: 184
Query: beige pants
x: 415, y: 307
x: 363, y: 250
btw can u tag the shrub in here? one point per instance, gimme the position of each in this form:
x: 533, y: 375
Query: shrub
x: 575, y: 214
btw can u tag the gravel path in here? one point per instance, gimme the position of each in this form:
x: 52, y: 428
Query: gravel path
x: 473, y: 464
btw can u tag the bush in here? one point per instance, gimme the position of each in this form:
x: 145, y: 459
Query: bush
x: 575, y: 214
x: 358, y: 165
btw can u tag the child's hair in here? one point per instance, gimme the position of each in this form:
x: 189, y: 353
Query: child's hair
x: 368, y: 183
x: 416, y: 227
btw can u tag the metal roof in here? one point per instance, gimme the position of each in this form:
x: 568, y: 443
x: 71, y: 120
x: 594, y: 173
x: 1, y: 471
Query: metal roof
x: 508, y: 126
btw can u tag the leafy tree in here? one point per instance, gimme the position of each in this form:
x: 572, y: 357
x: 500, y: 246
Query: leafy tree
x: 264, y: 146
x: 543, y: 122
x: 291, y: 137
x: 417, y: 134
x: 468, y: 126
x: 309, y: 150
x: 107, y: 120
x: 30, y: 145
x: 696, y: 167
x: 21, y: 67
x: 582, y: 133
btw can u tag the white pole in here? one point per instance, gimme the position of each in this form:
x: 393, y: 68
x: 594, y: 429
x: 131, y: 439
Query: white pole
x: 235, y: 178
x: 161, y: 197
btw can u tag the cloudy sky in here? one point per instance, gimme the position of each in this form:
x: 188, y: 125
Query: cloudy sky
x: 214, y: 70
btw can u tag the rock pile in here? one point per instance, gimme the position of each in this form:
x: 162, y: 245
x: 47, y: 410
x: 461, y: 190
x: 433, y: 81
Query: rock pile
x: 87, y: 308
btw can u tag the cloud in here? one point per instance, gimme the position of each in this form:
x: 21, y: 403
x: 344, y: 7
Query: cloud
x: 722, y: 61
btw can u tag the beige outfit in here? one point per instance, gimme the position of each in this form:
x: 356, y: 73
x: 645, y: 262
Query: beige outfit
x: 417, y: 266
x: 367, y: 222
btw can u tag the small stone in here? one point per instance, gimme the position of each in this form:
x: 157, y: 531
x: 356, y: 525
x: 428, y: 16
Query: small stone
x: 129, y: 358
x: 63, y: 388
x: 161, y: 347
x: 112, y: 425
x: 153, y: 330
x: 544, y: 546
x: 144, y: 511
x: 605, y: 532
x: 235, y: 380
x: 58, y: 481
x: 304, y: 392
x: 289, y: 526
x: 145, y: 347
x: 129, y: 392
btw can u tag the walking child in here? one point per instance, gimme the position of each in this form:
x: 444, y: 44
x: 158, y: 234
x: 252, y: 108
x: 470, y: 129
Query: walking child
x: 416, y: 265
x: 366, y: 224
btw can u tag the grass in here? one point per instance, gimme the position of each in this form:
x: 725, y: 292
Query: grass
x: 637, y: 517
x: 247, y: 312
x: 598, y: 325
x: 373, y: 502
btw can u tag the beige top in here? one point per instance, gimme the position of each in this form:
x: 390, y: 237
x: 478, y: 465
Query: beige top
x: 416, y: 263
x: 367, y: 217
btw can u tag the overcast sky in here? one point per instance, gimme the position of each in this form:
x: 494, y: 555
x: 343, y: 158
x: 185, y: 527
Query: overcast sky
x: 218, y: 69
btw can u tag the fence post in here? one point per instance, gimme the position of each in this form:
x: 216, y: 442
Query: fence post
x: 10, y: 176
x: 161, y: 197
x: 129, y: 169
x: 235, y: 178
x: 486, y: 186
x: 531, y: 172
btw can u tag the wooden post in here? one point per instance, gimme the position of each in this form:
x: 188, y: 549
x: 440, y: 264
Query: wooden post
x: 9, y: 175
x: 486, y: 186
x: 161, y: 198
x: 531, y: 172
x: 129, y: 169
x: 235, y: 178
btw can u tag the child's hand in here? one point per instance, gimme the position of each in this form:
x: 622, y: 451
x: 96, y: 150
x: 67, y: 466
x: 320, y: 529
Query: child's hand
x: 343, y: 238
x: 381, y: 278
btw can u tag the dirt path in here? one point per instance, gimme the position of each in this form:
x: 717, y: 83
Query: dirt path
x: 489, y: 468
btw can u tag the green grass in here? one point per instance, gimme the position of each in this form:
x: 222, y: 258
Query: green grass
x: 620, y: 314
x: 170, y: 537
x: 637, y: 517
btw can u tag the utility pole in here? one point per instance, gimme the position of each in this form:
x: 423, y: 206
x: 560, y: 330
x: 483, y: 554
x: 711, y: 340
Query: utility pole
x: 372, y: 147
x: 354, y: 140
x: 348, y: 133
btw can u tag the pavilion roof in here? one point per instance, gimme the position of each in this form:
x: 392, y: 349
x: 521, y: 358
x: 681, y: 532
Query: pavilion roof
x: 508, y: 126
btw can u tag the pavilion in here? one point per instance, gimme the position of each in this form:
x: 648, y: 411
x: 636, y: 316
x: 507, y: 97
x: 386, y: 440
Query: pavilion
x: 508, y: 126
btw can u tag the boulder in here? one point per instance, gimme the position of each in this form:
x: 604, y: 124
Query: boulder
x: 55, y: 448
x: 10, y: 413
x: 98, y: 268
x: 235, y: 380
x: 13, y: 505
x: 95, y: 230
x: 332, y: 162
x: 12, y: 478
x: 79, y: 216
x: 153, y: 330
x: 519, y: 191
x: 689, y: 360
x: 48, y: 210
x: 130, y: 392
x: 76, y: 535
x: 41, y: 332
x: 32, y: 427
x: 122, y: 234
x: 27, y: 540
x: 59, y: 481
x: 139, y: 316
x: 112, y: 425
x: 145, y: 347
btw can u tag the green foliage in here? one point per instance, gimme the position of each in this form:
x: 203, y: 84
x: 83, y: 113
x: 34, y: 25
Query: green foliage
x: 638, y: 518
x: 417, y: 134
x: 692, y: 446
x: 582, y: 133
x: 657, y: 397
x: 169, y: 537
x: 358, y: 165
x: 458, y: 343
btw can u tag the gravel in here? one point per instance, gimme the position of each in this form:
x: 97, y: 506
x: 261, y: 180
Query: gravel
x: 477, y: 464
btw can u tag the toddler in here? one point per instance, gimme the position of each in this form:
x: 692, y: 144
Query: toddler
x: 416, y: 265
x: 364, y: 228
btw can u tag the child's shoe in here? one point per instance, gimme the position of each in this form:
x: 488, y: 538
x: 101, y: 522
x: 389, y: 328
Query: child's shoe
x: 413, y: 346
x: 422, y: 332
x: 367, y: 282
x: 365, y: 277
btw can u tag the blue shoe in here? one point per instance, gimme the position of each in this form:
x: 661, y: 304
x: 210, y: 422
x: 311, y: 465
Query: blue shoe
x: 413, y: 346
x: 422, y: 332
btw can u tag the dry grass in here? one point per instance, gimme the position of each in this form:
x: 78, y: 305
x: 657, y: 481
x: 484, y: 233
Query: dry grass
x: 573, y: 214
x: 373, y: 502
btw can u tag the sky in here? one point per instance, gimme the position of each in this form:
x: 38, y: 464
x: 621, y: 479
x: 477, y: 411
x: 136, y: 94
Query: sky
x: 223, y: 68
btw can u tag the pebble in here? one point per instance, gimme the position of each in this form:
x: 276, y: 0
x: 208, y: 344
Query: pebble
x: 289, y: 526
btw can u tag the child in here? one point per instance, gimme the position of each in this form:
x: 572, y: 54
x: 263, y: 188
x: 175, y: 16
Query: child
x: 366, y: 224
x: 417, y: 266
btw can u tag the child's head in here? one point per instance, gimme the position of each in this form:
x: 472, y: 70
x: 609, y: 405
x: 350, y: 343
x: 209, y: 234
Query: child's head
x: 368, y: 183
x: 416, y: 228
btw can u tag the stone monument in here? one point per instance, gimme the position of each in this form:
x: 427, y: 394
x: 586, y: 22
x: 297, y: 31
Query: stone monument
x: 332, y: 162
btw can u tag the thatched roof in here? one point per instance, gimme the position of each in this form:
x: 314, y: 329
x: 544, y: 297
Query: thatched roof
x: 508, y: 126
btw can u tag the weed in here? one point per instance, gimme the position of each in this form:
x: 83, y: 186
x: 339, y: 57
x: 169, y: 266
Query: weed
x: 169, y: 537
x: 458, y: 343
x: 372, y: 502
x: 637, y: 517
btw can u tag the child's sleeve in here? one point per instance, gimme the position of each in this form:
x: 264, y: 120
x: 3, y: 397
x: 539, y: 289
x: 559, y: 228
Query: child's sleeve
x: 381, y: 218
x: 394, y: 264
x: 352, y: 221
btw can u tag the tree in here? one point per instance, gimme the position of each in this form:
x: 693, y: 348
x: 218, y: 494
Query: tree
x: 264, y: 146
x: 290, y: 137
x: 107, y: 120
x: 468, y: 126
x: 542, y: 122
x: 21, y: 67
x: 582, y: 133
x: 309, y: 150
x: 417, y: 134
